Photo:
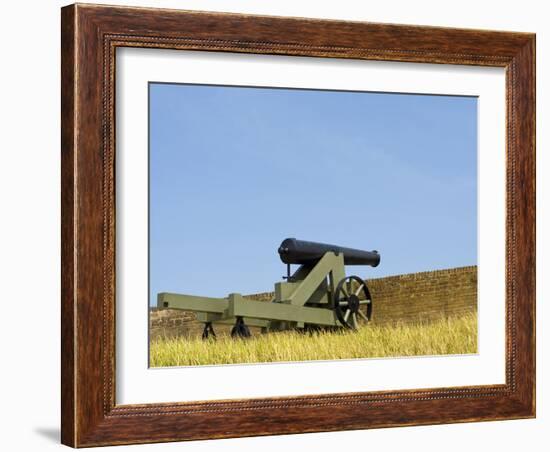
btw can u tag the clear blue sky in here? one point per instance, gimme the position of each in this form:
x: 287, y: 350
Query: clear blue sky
x: 235, y: 170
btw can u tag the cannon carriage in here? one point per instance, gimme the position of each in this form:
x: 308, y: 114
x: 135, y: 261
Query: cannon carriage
x: 317, y: 295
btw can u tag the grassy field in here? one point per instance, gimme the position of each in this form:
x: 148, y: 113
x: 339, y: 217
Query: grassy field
x: 444, y: 337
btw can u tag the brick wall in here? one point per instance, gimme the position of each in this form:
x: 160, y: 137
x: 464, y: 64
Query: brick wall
x: 424, y: 296
x: 409, y: 298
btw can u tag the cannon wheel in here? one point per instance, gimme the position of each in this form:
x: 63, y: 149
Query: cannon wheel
x: 208, y: 331
x: 240, y: 329
x: 347, y: 302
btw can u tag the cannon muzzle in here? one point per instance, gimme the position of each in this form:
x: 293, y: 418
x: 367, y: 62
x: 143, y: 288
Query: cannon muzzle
x: 294, y: 251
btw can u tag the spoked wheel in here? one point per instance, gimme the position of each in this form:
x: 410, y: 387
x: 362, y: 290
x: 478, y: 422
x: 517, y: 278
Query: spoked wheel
x: 240, y: 329
x: 348, y: 300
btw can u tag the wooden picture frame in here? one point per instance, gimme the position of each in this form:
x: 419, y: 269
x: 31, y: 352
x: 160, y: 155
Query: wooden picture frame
x: 90, y: 36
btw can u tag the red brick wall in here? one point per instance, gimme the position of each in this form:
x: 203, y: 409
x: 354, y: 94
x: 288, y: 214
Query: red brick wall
x: 424, y: 296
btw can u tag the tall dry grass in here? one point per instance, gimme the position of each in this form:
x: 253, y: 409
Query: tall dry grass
x: 443, y: 337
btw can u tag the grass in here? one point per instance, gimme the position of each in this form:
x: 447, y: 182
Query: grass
x: 442, y: 337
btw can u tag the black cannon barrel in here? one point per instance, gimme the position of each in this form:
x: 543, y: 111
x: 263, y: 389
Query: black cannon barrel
x: 294, y: 251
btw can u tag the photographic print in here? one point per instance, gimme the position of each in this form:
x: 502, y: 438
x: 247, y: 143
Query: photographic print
x: 294, y: 224
x: 264, y: 201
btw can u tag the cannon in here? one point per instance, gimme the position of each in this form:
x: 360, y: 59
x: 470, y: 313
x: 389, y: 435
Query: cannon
x: 317, y: 295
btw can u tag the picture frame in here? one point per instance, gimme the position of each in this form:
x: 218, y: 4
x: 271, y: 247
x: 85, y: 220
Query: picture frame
x: 90, y: 36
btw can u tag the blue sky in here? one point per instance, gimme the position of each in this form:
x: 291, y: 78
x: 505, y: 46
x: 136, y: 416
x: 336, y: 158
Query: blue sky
x: 235, y: 170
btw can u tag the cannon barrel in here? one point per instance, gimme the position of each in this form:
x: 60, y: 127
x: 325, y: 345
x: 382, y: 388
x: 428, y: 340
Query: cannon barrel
x: 294, y: 251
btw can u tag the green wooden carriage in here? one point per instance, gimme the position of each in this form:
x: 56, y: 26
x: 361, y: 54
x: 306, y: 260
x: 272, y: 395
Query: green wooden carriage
x: 317, y: 295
